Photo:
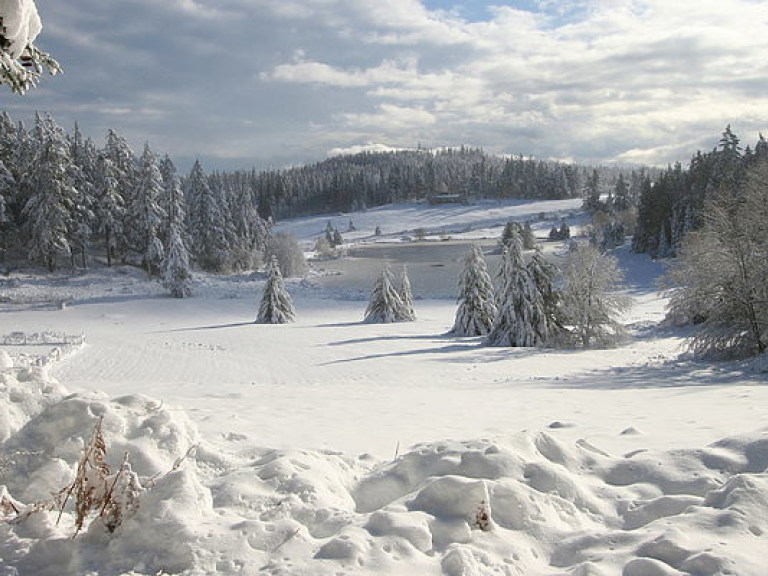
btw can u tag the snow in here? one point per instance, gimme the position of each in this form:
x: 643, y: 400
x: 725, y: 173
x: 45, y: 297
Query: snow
x: 21, y: 24
x: 331, y: 446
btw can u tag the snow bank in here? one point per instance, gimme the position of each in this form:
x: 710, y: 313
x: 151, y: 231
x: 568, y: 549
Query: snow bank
x: 525, y: 504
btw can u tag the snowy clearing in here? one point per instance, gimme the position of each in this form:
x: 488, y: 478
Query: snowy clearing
x: 330, y: 446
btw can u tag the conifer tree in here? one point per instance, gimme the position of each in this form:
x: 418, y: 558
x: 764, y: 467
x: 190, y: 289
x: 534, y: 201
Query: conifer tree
x: 177, y: 273
x: 48, y: 210
x: 406, y: 295
x: 276, y: 306
x: 7, y: 184
x: 146, y: 214
x: 207, y: 222
x: 385, y: 304
x: 83, y: 169
x: 109, y: 207
x: 543, y: 273
x: 123, y: 167
x: 520, y: 319
x: 171, y: 200
x: 477, y: 305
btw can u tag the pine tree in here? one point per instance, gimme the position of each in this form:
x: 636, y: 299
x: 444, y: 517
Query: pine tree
x: 109, y: 208
x: 591, y: 193
x: 49, y: 208
x: 543, y: 273
x: 529, y: 240
x: 177, y: 273
x: 276, y: 306
x: 7, y: 185
x: 477, y: 305
x: 146, y: 214
x: 520, y: 320
x: 83, y: 175
x: 385, y: 304
x: 406, y: 295
x: 207, y: 222
x: 123, y: 168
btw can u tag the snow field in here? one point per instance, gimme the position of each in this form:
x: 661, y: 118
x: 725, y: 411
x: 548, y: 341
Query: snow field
x: 525, y: 504
x: 330, y: 446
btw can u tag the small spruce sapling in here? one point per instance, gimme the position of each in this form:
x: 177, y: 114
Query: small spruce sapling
x: 477, y: 304
x: 385, y: 304
x: 276, y: 306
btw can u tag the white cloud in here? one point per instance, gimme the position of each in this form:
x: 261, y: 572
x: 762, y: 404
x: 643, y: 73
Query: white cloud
x: 589, y: 79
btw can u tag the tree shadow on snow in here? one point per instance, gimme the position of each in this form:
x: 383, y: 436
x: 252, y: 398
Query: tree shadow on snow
x: 454, y: 349
x: 211, y: 327
x: 676, y: 374
x: 386, y: 338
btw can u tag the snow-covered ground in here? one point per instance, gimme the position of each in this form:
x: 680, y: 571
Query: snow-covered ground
x: 329, y: 446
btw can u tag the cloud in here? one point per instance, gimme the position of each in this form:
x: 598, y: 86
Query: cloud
x: 284, y: 81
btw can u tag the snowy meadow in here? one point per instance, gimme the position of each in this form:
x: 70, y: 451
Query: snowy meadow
x: 334, y: 446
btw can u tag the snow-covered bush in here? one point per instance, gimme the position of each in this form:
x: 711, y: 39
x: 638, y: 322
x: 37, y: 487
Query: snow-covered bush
x: 590, y: 298
x: 290, y: 256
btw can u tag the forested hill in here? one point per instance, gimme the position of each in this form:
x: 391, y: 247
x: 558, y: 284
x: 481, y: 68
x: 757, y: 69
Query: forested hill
x: 64, y: 196
x: 368, y: 179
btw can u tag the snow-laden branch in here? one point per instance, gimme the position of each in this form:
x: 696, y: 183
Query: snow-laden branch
x: 21, y: 62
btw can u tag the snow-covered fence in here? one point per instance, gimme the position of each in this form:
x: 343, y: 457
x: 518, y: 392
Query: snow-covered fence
x: 62, y: 345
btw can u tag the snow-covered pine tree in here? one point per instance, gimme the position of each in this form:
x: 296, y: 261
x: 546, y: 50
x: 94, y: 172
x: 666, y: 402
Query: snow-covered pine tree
x: 7, y: 185
x: 123, y: 162
x: 146, y: 214
x: 406, y: 295
x: 177, y: 273
x: 543, y: 273
x: 385, y: 304
x: 171, y: 200
x: 48, y: 210
x: 590, y: 302
x: 109, y: 207
x: 207, y: 222
x: 21, y: 62
x: 83, y: 166
x: 276, y: 306
x: 520, y: 319
x: 529, y: 240
x: 477, y: 304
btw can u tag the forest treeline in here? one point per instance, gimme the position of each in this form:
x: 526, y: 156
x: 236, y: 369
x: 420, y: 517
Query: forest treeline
x: 63, y: 197
x: 673, y: 203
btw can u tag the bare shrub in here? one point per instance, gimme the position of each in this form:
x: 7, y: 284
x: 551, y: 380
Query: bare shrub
x: 290, y: 256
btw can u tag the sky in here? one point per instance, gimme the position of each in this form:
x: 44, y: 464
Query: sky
x: 273, y: 83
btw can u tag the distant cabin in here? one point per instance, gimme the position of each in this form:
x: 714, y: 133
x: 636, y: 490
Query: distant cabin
x: 449, y: 199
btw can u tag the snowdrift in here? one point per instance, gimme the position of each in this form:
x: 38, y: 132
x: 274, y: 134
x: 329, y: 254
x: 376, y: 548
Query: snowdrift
x: 526, y: 504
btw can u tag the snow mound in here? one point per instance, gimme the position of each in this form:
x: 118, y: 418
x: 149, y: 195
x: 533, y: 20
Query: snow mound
x: 524, y: 504
x: 6, y: 362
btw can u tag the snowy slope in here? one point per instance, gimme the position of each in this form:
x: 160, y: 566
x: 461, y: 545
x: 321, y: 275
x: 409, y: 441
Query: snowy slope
x: 329, y: 446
